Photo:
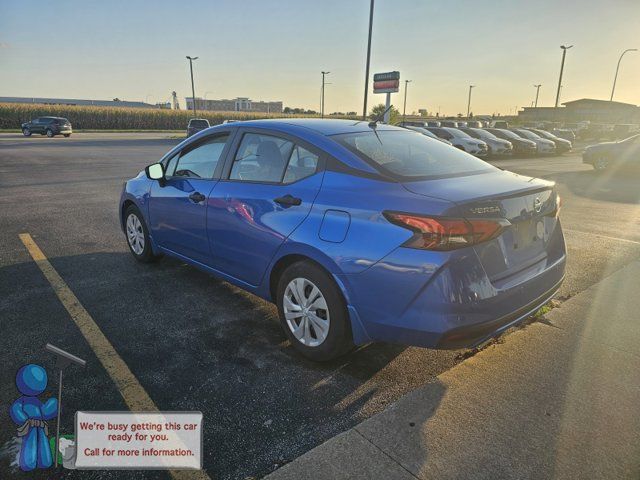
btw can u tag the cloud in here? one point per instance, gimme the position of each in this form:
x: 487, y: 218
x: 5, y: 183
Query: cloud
x: 4, y: 45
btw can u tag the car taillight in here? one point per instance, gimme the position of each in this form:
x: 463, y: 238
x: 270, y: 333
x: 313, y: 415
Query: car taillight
x: 432, y: 233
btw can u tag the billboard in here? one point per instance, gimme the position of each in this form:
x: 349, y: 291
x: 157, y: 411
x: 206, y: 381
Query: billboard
x: 388, y: 82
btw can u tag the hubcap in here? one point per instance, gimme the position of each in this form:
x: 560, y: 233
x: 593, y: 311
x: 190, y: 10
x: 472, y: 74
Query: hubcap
x: 135, y: 234
x: 306, y: 312
x: 601, y: 164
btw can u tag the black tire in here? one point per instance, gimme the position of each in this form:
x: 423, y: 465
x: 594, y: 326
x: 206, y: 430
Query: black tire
x: 146, y: 255
x: 339, y: 339
x: 601, y: 164
x: 50, y: 133
x: 26, y: 132
x: 67, y: 135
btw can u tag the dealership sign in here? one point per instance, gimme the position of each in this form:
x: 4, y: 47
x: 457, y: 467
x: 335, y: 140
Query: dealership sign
x: 388, y: 82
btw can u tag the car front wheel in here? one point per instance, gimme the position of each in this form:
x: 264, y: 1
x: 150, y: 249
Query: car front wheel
x: 313, y: 313
x: 601, y: 164
x: 26, y: 132
x: 138, y: 236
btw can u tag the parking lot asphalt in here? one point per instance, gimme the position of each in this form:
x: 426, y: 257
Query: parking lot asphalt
x: 197, y: 343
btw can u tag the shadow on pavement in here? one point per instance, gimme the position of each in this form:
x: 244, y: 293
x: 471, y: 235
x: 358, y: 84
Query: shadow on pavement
x: 619, y: 186
x: 194, y: 343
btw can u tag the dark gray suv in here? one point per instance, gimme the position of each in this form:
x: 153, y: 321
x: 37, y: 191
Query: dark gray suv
x: 49, y: 126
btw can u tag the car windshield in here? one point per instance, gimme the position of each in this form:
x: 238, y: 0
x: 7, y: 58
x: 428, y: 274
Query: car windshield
x: 508, y: 134
x: 483, y: 134
x: 528, y: 134
x: 458, y: 133
x: 411, y: 155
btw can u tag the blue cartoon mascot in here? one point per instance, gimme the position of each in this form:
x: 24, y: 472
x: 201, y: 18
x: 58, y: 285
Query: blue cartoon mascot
x: 31, y: 416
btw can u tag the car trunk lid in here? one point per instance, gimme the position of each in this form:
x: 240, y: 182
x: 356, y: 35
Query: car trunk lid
x: 529, y: 204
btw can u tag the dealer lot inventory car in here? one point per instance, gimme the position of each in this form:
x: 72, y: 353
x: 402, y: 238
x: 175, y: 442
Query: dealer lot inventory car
x: 49, y: 126
x: 562, y: 145
x: 426, y: 132
x: 521, y: 146
x: 544, y: 146
x: 357, y: 232
x: 622, y: 155
x: 461, y: 140
x: 497, y: 146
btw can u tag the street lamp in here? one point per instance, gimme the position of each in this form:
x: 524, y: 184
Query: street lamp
x: 564, y: 54
x: 404, y: 109
x: 366, y: 74
x: 322, y: 102
x: 469, y: 102
x: 618, y: 68
x: 537, y: 93
x: 193, y: 90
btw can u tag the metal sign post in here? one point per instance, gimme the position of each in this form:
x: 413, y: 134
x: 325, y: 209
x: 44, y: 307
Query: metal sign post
x: 388, y: 82
x: 387, y: 110
x: 64, y: 359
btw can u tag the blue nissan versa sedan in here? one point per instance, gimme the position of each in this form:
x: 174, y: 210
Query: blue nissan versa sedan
x: 358, y: 232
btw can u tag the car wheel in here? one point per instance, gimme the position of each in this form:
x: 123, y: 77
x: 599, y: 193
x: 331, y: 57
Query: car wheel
x: 138, y: 236
x: 49, y: 133
x: 313, y: 312
x: 26, y: 132
x: 67, y: 135
x: 601, y: 164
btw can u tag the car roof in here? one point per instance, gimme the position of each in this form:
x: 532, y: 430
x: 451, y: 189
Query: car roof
x: 322, y: 126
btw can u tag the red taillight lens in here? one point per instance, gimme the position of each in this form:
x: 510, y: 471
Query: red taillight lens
x: 446, y: 233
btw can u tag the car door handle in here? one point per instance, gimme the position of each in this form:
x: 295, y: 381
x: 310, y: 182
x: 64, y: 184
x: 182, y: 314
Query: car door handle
x: 288, y: 200
x: 197, y: 197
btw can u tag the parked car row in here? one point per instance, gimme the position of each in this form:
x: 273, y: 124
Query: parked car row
x: 492, y: 141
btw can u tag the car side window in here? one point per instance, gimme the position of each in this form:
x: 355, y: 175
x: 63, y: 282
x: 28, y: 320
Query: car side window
x: 302, y: 164
x: 170, y: 166
x: 261, y: 158
x: 200, y: 161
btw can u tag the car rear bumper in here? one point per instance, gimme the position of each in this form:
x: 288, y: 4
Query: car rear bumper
x: 446, y: 299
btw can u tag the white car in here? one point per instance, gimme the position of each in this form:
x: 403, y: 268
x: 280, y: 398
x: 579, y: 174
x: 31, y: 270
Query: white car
x: 426, y: 132
x: 543, y: 146
x: 461, y: 140
x: 497, y: 146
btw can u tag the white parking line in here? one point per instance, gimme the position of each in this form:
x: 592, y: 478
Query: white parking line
x: 602, y: 236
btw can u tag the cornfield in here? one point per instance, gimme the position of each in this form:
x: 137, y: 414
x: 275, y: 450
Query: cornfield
x: 118, y: 118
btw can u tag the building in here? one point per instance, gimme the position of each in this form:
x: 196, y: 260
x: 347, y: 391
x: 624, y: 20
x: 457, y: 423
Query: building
x: 75, y: 101
x: 585, y: 109
x: 240, y: 104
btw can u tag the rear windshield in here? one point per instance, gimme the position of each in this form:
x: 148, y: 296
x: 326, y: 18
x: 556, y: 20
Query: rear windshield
x: 62, y: 121
x: 411, y: 155
x: 198, y: 123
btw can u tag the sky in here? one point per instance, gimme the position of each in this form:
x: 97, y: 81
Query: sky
x: 276, y: 49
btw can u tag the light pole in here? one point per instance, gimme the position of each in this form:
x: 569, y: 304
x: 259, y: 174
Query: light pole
x: 537, y: 93
x: 193, y: 89
x: 469, y: 102
x: 322, y: 102
x: 404, y: 109
x: 366, y: 74
x: 618, y: 68
x: 564, y: 54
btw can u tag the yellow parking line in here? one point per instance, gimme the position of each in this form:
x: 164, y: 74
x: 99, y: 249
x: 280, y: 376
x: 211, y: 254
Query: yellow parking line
x: 134, y: 395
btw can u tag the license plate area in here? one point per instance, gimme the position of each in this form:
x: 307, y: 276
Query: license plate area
x: 527, y: 233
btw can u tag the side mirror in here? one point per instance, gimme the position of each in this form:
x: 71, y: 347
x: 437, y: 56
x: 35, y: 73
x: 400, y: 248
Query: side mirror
x: 155, y: 171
